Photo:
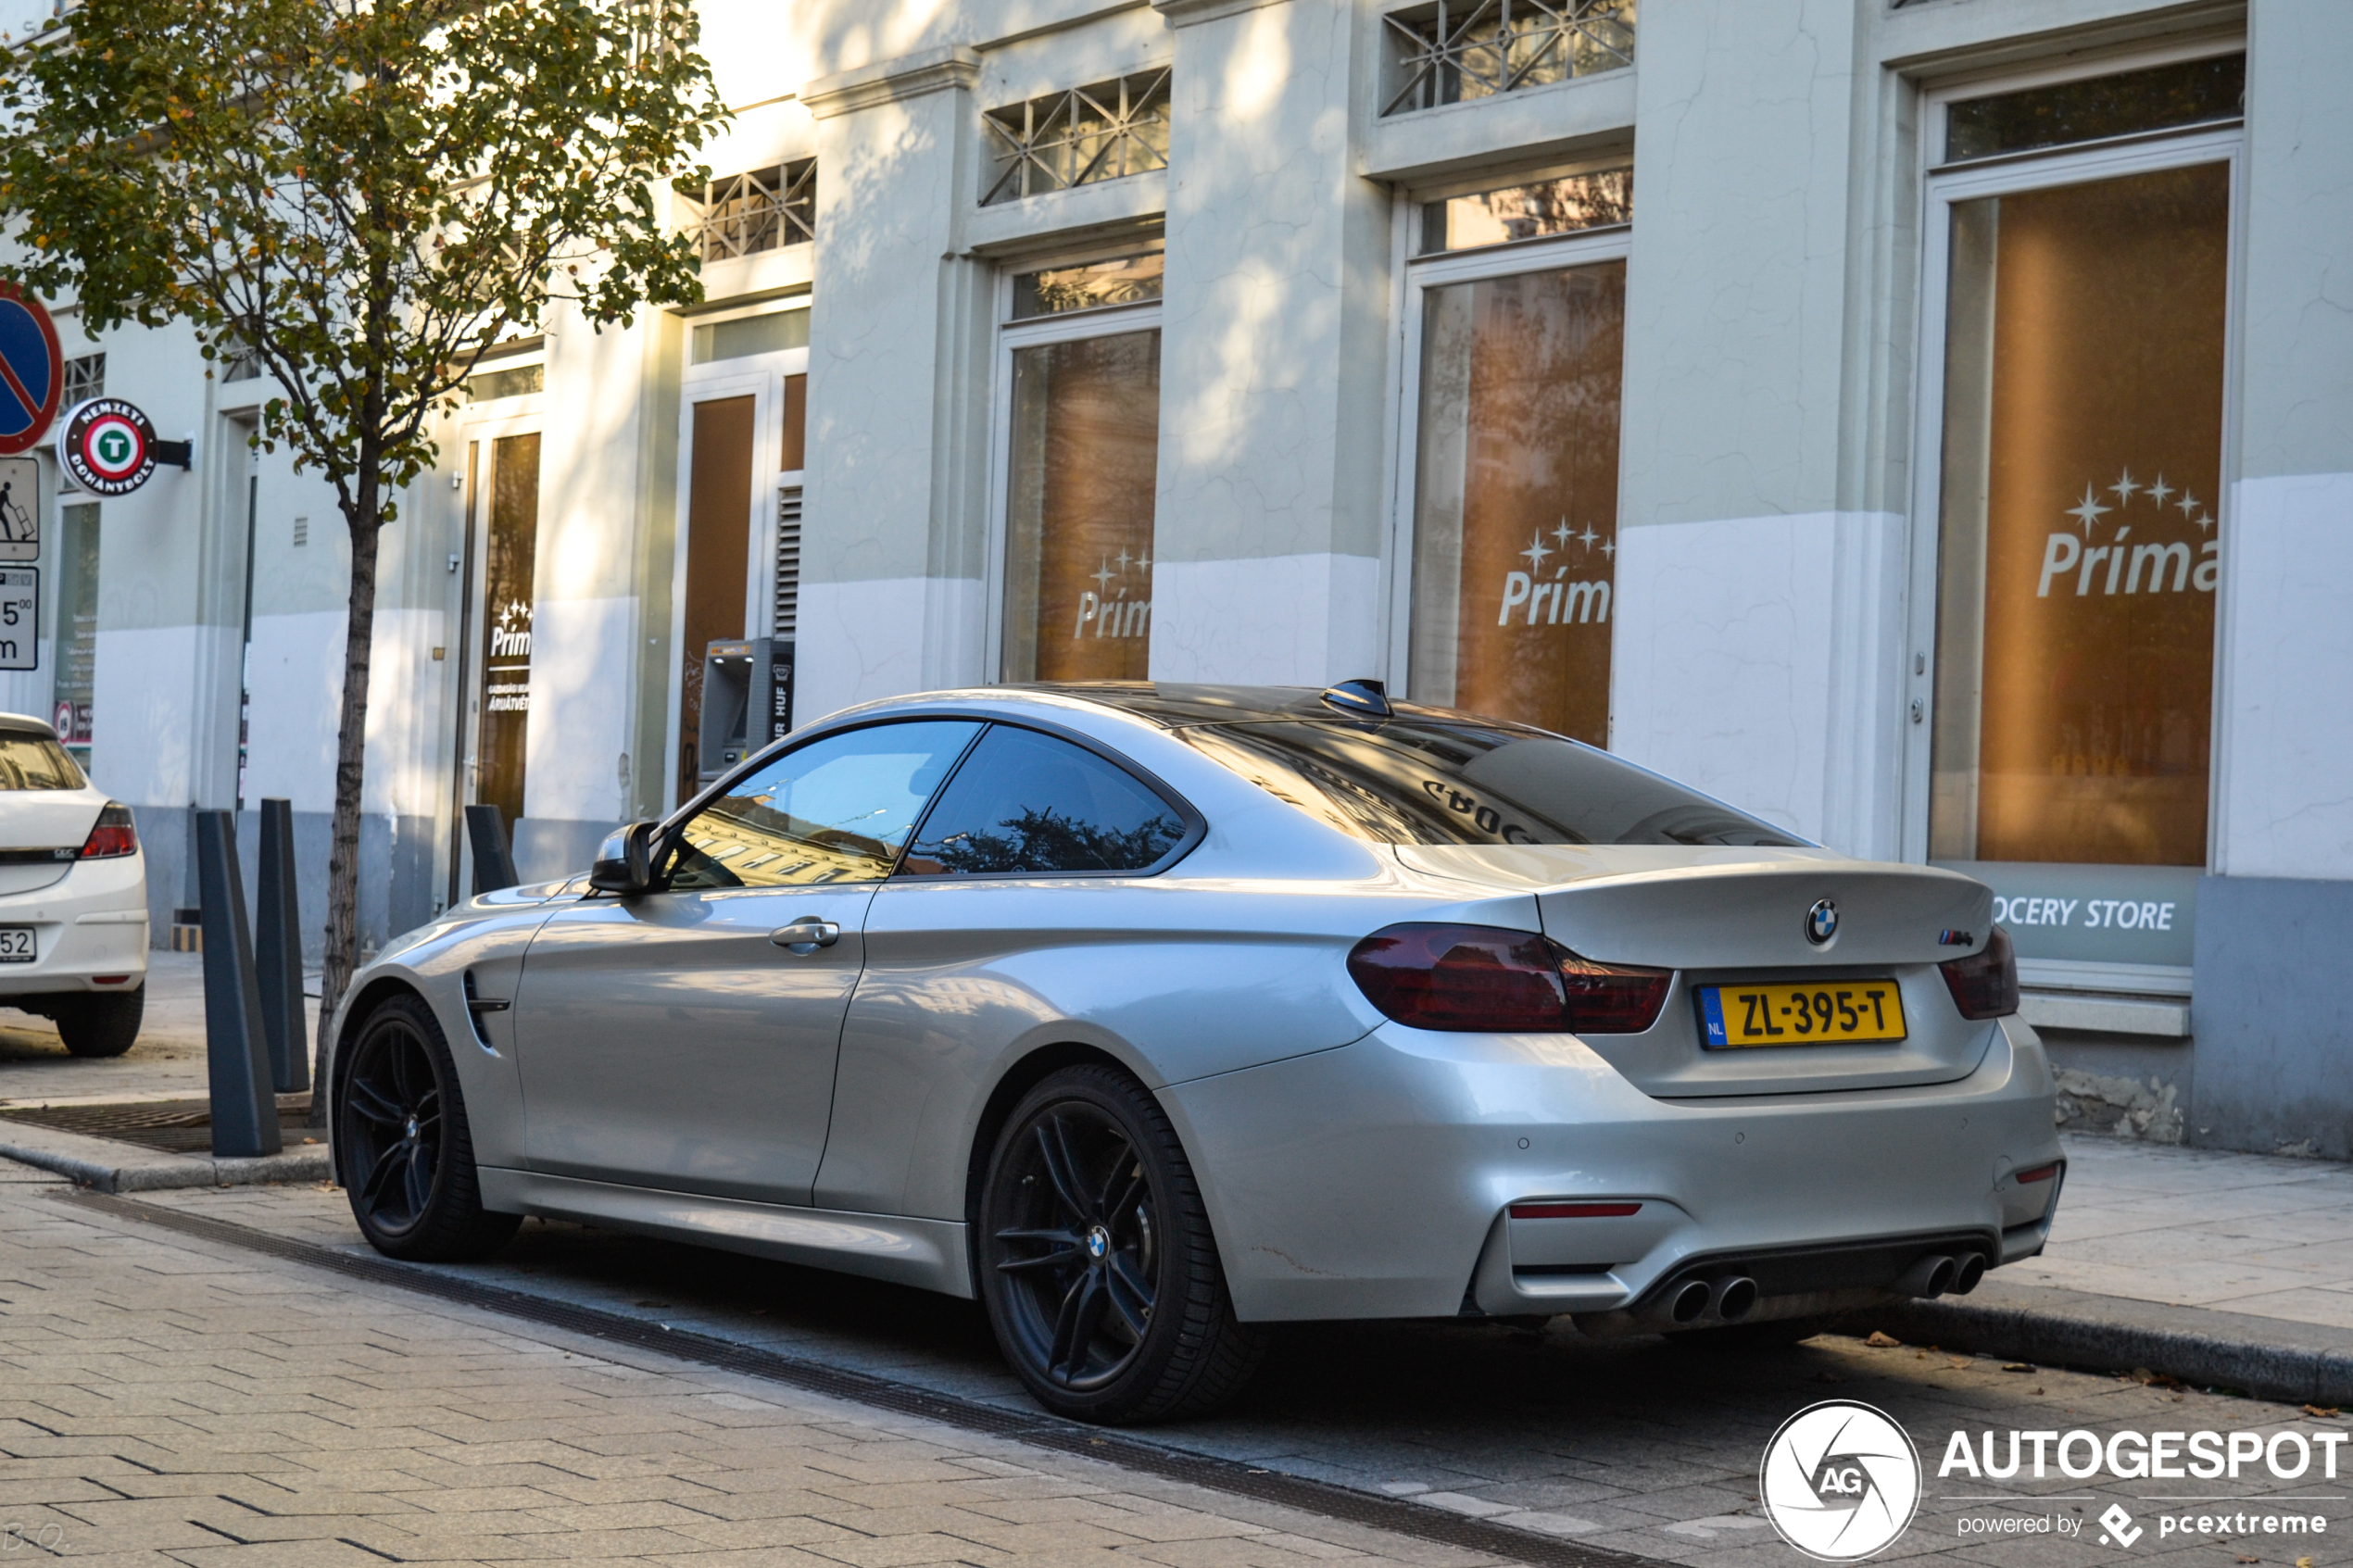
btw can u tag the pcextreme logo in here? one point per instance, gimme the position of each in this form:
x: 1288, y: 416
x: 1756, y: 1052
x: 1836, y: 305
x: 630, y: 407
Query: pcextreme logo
x: 1841, y: 1480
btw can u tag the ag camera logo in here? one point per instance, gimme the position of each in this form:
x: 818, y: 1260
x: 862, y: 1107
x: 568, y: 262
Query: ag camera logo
x: 1840, y: 1481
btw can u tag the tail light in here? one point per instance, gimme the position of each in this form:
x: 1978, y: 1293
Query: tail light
x: 1984, y: 984
x: 114, y: 836
x: 1480, y: 979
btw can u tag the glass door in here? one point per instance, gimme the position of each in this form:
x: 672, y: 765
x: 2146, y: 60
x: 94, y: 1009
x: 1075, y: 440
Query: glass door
x: 743, y: 438
x: 1516, y: 347
x: 1079, y: 367
x: 494, y: 641
x: 2075, y: 480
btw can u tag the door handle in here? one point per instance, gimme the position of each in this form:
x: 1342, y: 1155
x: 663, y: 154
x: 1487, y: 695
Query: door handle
x: 806, y: 935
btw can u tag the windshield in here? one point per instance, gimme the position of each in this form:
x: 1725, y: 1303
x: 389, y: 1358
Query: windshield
x: 1416, y: 781
x: 35, y: 762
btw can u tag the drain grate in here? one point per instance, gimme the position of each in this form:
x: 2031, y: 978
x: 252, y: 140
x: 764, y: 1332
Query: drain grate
x: 173, y: 1126
x: 1033, y: 1427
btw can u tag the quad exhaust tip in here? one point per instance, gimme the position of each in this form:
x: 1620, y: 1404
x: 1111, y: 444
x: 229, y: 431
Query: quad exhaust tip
x: 1939, y: 1274
x: 1689, y: 1302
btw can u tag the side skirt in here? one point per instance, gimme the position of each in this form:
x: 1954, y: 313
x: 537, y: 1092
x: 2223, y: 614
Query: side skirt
x: 928, y: 1254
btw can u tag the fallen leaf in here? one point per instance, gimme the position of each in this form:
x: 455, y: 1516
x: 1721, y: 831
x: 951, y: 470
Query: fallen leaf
x: 1958, y: 1363
x: 2017, y: 1366
x: 2038, y: 1388
x: 2250, y: 1560
x: 2303, y: 1563
x: 1882, y: 1340
x: 2323, y: 1412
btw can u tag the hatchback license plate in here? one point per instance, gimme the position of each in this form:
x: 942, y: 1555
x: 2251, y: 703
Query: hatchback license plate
x: 17, y: 945
x: 1827, y: 1012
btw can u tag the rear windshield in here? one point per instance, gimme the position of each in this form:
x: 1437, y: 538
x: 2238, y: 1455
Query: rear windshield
x: 35, y: 762
x: 1411, y: 780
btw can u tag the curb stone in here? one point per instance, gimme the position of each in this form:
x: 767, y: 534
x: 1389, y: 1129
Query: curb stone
x: 116, y: 1167
x: 2270, y: 1357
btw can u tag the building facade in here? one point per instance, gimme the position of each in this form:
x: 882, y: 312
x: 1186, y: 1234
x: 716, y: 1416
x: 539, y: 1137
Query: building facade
x: 1925, y: 423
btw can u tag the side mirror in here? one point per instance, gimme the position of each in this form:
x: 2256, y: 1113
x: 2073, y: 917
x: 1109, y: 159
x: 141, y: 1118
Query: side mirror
x: 625, y: 862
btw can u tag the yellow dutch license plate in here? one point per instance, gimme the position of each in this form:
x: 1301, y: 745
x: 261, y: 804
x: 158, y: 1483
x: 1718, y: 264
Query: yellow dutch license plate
x: 1820, y: 1012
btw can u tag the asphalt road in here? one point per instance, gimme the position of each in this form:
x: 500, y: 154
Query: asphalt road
x: 1640, y: 1446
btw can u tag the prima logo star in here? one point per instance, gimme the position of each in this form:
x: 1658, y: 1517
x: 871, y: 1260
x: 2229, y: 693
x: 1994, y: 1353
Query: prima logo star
x: 2125, y: 488
x: 2088, y: 511
x: 2188, y: 503
x: 1609, y: 546
x: 1535, y: 552
x: 2204, y: 522
x: 1143, y: 564
x: 1124, y: 558
x: 1589, y: 536
x: 2160, y: 490
x: 1564, y: 533
x: 1102, y: 578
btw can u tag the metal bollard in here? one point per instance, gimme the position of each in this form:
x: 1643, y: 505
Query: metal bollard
x: 277, y: 942
x: 493, y: 860
x: 245, y: 1113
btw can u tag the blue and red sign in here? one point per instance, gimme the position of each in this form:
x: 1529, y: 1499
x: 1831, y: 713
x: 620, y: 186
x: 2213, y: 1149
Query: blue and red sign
x: 32, y: 371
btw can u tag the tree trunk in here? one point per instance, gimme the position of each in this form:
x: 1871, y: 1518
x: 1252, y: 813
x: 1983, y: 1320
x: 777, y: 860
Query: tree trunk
x: 351, y: 748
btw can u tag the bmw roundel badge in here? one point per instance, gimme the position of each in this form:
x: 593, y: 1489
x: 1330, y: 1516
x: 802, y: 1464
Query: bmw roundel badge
x: 1821, y: 922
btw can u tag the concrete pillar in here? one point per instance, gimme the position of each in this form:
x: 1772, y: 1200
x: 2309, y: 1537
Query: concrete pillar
x: 1759, y: 646
x: 2286, y: 707
x: 893, y: 534
x: 2271, y: 927
x: 1267, y: 530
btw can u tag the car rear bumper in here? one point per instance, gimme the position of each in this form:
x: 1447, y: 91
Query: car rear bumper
x: 1376, y: 1180
x: 90, y: 931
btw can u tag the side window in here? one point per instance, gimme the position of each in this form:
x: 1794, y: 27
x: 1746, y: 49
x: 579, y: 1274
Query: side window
x: 1027, y: 802
x: 837, y: 810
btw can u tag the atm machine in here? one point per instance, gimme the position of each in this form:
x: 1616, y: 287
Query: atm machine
x: 747, y: 700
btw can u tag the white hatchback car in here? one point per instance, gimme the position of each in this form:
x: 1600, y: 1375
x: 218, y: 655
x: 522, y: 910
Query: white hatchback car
x: 73, y: 895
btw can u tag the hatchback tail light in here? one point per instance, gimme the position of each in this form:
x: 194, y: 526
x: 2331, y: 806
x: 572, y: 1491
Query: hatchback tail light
x: 115, y: 835
x: 1485, y: 980
x: 1984, y: 984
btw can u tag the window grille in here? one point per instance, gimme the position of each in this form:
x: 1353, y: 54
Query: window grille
x: 1105, y: 131
x: 1457, y: 50
x: 787, y: 611
x: 758, y: 209
x: 85, y: 379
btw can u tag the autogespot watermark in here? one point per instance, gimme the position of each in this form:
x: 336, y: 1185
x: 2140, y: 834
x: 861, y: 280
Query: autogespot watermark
x: 1841, y: 1480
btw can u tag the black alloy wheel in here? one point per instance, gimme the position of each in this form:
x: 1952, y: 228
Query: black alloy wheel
x: 403, y: 1146
x: 1097, y: 1266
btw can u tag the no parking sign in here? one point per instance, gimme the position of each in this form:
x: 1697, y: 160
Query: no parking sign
x: 32, y: 371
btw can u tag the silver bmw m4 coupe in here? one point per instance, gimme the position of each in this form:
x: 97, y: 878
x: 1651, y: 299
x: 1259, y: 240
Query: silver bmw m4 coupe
x: 1155, y: 1015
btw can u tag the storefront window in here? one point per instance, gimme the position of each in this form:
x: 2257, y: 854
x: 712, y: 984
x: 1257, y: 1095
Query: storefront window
x: 1515, y: 506
x: 512, y: 546
x: 2078, y: 556
x: 1080, y: 474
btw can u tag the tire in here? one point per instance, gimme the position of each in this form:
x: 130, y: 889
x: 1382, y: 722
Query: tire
x: 100, y: 1024
x: 403, y: 1145
x: 1095, y: 1260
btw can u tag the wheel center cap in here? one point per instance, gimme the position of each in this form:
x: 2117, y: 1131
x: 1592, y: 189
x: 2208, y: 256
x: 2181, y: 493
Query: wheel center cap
x: 1099, y: 1243
x: 412, y: 1127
